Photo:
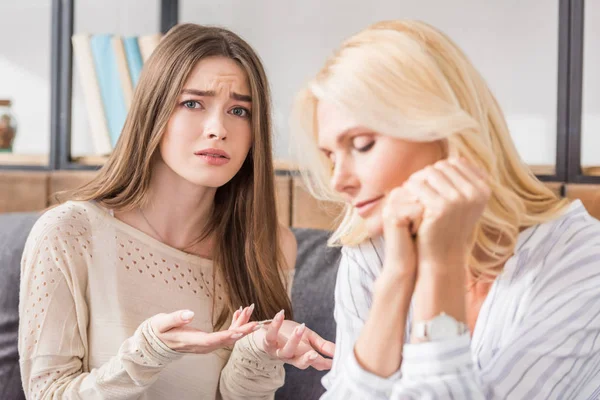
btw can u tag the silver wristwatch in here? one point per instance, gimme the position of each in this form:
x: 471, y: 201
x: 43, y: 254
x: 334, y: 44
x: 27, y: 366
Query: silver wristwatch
x: 439, y: 328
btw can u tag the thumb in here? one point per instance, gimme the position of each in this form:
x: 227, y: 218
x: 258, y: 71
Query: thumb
x: 164, y: 322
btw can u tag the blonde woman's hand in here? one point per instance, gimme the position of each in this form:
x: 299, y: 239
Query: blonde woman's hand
x: 173, y: 330
x: 401, y: 216
x: 294, y: 344
x: 454, y: 195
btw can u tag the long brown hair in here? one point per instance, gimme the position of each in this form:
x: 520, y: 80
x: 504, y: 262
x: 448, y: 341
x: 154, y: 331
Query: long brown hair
x: 244, y: 221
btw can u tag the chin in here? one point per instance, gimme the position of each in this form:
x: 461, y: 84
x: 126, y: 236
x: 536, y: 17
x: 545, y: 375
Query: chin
x: 215, y: 180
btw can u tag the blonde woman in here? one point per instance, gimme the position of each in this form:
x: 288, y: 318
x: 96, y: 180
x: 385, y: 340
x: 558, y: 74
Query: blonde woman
x: 462, y: 276
x: 127, y: 290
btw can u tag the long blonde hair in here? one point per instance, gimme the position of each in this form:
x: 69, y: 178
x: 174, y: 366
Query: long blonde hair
x: 409, y: 80
x: 244, y: 221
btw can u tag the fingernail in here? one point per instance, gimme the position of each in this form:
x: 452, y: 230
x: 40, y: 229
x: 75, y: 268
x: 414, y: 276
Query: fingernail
x: 251, y: 307
x: 300, y: 330
x: 241, y: 308
x: 313, y: 356
x: 280, y: 315
x: 187, y: 315
x: 237, y: 335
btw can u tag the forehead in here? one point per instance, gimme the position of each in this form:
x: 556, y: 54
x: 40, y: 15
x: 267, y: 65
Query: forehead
x: 218, y: 74
x: 332, y: 122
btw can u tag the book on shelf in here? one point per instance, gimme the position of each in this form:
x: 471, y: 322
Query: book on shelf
x: 134, y: 58
x: 109, y: 67
x: 111, y: 89
x: 84, y: 59
x: 123, y: 68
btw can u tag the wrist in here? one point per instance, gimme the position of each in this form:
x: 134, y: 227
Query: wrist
x: 437, y: 293
x: 396, y: 275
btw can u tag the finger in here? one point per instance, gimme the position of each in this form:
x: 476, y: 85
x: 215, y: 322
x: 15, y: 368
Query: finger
x: 312, y: 359
x: 454, y: 175
x: 220, y: 339
x: 162, y: 323
x: 426, y: 194
x: 289, y: 349
x: 321, y: 345
x: 234, y: 320
x: 245, y: 315
x: 273, y: 330
x: 247, y: 328
x: 305, y: 360
x: 398, y: 218
x: 471, y: 173
x: 322, y: 364
x: 401, y: 208
x: 441, y: 184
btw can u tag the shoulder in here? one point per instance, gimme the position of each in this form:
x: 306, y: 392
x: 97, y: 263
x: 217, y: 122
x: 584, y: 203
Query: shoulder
x: 72, y: 212
x: 288, y: 246
x: 67, y: 219
x: 560, y: 252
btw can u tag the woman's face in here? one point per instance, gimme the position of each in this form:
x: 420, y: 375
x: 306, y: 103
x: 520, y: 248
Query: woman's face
x: 367, y: 165
x: 209, y: 134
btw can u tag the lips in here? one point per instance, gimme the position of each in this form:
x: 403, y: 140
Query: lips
x: 216, y: 153
x: 367, y: 202
x: 364, y: 208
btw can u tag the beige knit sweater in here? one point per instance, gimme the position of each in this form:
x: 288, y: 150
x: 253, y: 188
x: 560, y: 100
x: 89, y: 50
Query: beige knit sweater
x: 89, y: 284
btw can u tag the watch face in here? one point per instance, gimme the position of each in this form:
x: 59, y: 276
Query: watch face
x: 443, y: 327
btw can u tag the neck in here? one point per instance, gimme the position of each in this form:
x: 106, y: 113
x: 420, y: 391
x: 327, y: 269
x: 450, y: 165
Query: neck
x: 177, y: 209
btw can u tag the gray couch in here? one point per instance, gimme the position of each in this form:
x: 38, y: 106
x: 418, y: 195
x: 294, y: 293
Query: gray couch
x: 312, y: 298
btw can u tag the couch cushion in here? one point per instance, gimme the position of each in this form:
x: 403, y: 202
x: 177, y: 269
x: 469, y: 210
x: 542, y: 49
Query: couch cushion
x: 14, y: 229
x: 312, y: 301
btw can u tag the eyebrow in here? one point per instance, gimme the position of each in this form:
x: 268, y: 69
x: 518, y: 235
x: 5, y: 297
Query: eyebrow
x: 211, y: 93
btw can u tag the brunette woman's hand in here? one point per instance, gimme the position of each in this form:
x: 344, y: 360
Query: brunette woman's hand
x: 294, y: 344
x: 173, y: 330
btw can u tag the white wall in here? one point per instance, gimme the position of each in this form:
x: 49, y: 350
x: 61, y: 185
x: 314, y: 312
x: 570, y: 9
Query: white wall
x: 513, y: 43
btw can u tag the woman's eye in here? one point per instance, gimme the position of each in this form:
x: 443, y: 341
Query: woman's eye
x: 240, y: 112
x: 191, y: 104
x: 366, y: 147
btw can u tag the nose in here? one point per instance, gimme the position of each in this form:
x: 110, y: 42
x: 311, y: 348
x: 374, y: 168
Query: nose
x: 343, y: 179
x: 214, y: 127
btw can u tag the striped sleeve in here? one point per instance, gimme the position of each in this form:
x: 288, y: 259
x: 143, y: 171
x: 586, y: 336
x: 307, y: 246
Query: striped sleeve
x: 353, y: 296
x: 553, y: 351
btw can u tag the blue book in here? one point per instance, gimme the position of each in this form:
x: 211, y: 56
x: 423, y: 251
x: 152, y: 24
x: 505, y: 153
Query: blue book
x: 134, y: 58
x: 111, y: 89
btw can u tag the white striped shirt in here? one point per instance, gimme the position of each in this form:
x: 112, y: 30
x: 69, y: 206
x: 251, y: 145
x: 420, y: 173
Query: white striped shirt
x: 537, y: 335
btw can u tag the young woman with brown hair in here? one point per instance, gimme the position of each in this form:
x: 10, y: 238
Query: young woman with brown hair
x: 182, y: 217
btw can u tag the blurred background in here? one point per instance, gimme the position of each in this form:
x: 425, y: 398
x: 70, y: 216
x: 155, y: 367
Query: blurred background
x: 538, y: 56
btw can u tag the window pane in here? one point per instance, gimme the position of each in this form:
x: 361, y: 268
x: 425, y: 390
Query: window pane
x: 516, y: 56
x: 590, y: 119
x: 25, y: 73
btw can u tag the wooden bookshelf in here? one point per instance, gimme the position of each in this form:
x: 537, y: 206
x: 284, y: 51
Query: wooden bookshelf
x: 40, y: 160
x: 591, y: 171
x: 543, y: 169
x: 90, y: 160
